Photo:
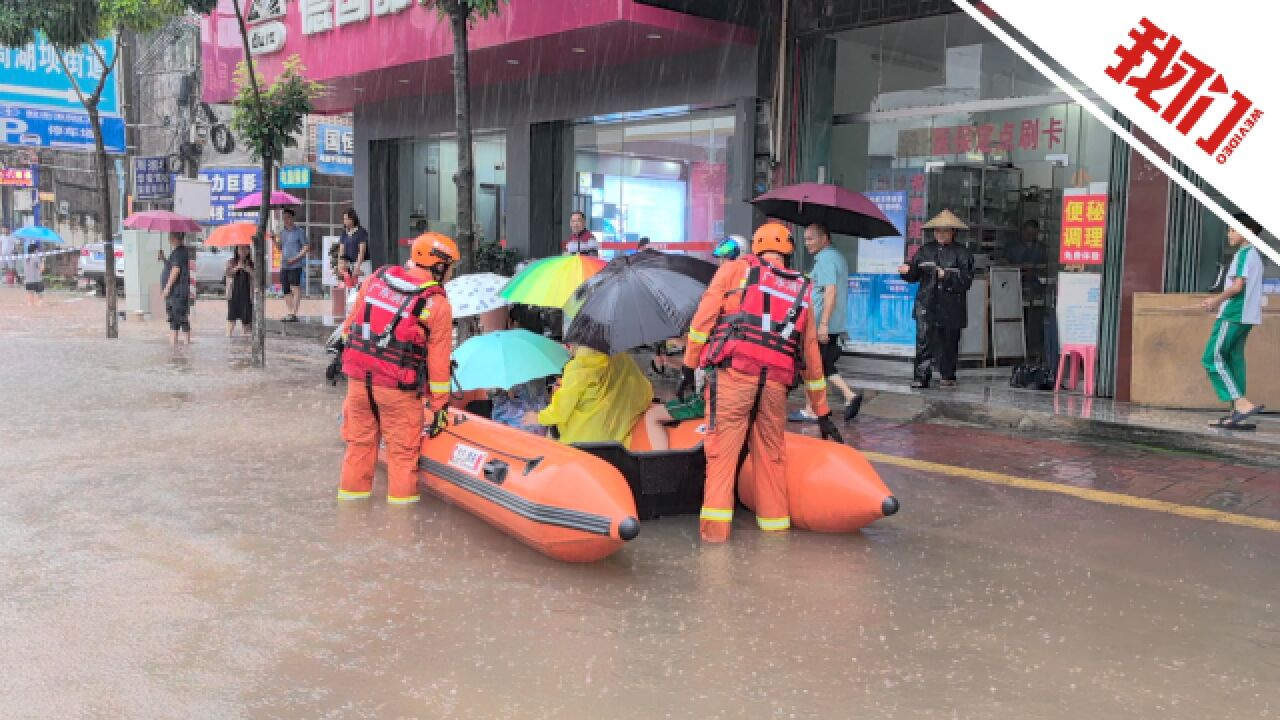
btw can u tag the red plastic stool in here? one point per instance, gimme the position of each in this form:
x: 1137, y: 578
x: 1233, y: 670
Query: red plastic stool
x: 1088, y: 359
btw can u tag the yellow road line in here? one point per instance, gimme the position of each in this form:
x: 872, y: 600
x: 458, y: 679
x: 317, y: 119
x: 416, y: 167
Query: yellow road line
x: 1098, y: 496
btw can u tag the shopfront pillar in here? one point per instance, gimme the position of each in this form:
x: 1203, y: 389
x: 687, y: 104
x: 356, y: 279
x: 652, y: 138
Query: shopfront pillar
x: 1145, y: 228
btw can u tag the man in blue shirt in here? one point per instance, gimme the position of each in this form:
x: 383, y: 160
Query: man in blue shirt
x: 293, y: 246
x: 830, y: 279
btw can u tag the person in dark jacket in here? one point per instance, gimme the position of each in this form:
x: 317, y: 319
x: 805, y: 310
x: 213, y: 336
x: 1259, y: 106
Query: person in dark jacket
x: 945, y: 272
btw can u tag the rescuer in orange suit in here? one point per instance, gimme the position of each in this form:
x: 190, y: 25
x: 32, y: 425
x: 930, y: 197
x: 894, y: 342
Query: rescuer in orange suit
x: 398, y: 340
x: 754, y: 332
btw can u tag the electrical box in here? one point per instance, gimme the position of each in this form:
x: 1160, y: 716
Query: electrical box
x: 142, y: 268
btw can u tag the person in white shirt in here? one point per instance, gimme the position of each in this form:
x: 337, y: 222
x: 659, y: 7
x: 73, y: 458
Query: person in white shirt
x: 1239, y: 308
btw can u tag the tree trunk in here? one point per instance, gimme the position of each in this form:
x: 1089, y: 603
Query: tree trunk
x: 466, y: 163
x: 259, y: 355
x: 108, y: 247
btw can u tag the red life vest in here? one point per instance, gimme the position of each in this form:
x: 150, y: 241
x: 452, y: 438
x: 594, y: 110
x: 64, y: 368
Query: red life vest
x: 766, y: 332
x: 388, y: 343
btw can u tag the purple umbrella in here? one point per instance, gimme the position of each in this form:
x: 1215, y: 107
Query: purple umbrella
x: 161, y: 221
x: 253, y: 201
x: 843, y: 212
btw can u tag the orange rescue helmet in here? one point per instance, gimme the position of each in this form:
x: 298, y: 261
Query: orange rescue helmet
x: 772, y: 237
x: 433, y: 248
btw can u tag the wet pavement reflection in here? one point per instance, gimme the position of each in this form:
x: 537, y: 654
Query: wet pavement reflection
x: 170, y: 546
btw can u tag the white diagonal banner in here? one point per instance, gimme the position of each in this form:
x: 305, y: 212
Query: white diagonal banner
x: 1195, y: 85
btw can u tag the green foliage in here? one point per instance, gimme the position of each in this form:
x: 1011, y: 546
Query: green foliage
x: 70, y: 23
x: 492, y: 257
x: 472, y: 9
x: 268, y: 130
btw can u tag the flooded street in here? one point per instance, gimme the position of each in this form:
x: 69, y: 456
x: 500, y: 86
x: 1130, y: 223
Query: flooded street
x: 171, y: 546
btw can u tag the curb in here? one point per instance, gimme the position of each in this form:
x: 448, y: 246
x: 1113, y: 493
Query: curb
x: 1234, y: 447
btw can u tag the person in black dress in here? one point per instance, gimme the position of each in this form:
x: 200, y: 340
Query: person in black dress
x: 240, y: 290
x: 944, y: 270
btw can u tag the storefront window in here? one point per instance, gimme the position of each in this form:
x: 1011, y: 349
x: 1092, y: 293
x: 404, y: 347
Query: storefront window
x: 663, y: 178
x: 936, y: 114
x: 427, y: 170
x: 941, y: 60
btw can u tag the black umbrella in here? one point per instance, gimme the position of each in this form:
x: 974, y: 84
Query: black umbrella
x: 638, y: 300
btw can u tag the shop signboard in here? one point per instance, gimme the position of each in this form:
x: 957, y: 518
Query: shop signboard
x: 38, y: 127
x: 885, y: 254
x: 880, y: 319
x: 1079, y: 301
x: 39, y: 106
x: 15, y: 177
x: 226, y: 187
x: 151, y: 179
x: 1084, y: 228
x: 335, y: 150
x: 295, y: 177
x: 33, y: 77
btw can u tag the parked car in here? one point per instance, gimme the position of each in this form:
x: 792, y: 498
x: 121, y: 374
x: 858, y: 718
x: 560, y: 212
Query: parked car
x: 93, y: 267
x: 211, y: 266
x: 211, y: 269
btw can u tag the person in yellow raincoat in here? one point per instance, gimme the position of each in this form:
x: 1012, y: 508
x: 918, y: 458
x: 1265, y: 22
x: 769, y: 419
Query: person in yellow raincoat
x: 599, y: 400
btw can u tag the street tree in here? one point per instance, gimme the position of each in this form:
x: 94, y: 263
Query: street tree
x: 70, y: 24
x: 461, y: 15
x: 268, y: 120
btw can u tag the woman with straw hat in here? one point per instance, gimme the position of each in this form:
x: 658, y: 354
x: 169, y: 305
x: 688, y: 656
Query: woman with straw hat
x: 945, y: 272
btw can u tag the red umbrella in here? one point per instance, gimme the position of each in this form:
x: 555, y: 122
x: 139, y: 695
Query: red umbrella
x: 161, y: 221
x: 253, y: 201
x: 843, y: 212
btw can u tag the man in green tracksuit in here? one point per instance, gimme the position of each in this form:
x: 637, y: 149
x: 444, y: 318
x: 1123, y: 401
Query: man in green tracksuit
x: 1239, y: 308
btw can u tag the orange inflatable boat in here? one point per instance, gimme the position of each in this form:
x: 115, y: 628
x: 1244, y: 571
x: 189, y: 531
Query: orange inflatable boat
x: 556, y: 499
x: 831, y: 487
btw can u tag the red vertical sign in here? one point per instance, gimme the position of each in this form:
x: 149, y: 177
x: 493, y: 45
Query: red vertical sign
x: 1084, y: 229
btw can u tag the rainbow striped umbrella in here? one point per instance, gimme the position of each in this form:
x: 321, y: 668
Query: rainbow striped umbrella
x: 550, y: 282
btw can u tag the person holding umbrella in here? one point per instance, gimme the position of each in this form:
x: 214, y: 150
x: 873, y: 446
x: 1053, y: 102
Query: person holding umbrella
x: 751, y: 329
x: 398, y: 339
x: 945, y: 272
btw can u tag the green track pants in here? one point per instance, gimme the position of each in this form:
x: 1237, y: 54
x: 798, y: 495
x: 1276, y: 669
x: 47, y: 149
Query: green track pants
x: 1224, y: 358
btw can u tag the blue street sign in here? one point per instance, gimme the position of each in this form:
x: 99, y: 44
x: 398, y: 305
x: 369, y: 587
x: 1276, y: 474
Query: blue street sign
x: 151, y: 178
x: 31, y: 76
x: 335, y: 150
x: 227, y: 187
x: 295, y: 177
x: 36, y: 127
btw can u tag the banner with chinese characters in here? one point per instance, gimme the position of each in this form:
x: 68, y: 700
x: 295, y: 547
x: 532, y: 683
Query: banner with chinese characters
x: 1190, y: 81
x: 295, y: 177
x: 1084, y: 229
x: 335, y: 150
x: 226, y: 187
x: 16, y: 177
x: 885, y: 254
x: 151, y: 179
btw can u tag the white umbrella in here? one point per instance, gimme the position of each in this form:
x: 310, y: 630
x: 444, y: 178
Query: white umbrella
x: 476, y: 294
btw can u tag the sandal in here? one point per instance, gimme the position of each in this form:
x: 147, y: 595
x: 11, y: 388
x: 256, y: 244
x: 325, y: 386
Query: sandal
x: 917, y: 384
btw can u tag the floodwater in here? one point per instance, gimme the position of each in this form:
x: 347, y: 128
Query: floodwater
x: 171, y: 546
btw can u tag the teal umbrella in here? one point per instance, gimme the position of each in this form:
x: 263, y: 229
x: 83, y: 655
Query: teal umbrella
x: 506, y: 358
x: 37, y: 233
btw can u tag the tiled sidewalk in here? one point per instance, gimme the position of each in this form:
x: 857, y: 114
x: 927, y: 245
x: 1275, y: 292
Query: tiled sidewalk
x: 986, y: 398
x: 1168, y: 476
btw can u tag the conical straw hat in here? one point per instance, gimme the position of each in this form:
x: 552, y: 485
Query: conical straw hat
x: 946, y: 220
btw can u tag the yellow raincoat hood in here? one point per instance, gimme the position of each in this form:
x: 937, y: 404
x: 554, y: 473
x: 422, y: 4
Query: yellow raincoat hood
x: 600, y: 398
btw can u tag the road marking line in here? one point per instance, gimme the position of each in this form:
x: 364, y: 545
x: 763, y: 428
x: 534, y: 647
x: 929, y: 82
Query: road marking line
x: 1098, y: 496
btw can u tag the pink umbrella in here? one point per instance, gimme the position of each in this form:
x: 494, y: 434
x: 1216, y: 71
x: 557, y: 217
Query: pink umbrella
x: 844, y: 212
x: 253, y: 201
x: 161, y: 221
